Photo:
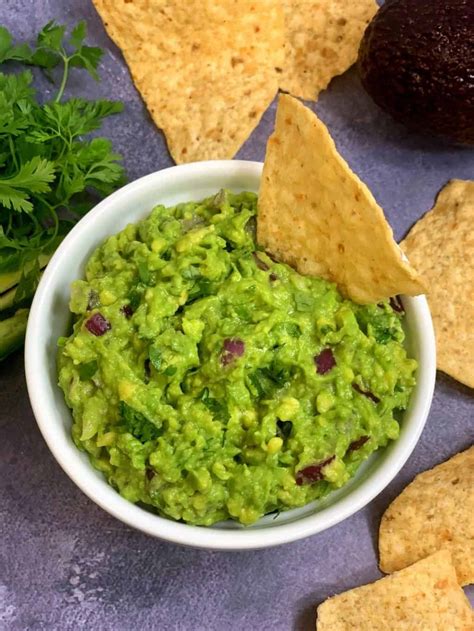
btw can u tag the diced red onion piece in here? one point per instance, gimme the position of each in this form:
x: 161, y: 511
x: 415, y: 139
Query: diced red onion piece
x: 312, y: 473
x: 98, y: 325
x: 325, y: 361
x: 366, y: 393
x: 260, y: 264
x: 397, y: 304
x: 357, y: 444
x: 233, y: 347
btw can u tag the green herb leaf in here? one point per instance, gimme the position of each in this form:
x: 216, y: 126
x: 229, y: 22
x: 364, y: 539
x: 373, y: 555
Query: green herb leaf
x: 78, y: 34
x: 155, y: 357
x: 88, y: 370
x: 134, y: 299
x: 35, y: 176
x: 217, y: 408
x: 265, y: 380
x: 51, y: 36
x: 170, y: 371
x: 137, y: 424
x: 202, y: 287
x: 8, y: 52
x: 87, y: 57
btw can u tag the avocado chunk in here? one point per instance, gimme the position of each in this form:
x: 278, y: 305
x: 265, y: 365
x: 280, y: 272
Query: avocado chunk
x: 11, y: 277
x: 8, y: 304
x: 416, y: 60
x: 12, y: 332
x: 7, y: 301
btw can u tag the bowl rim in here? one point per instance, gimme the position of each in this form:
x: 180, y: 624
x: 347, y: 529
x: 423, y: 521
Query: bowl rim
x: 208, y: 537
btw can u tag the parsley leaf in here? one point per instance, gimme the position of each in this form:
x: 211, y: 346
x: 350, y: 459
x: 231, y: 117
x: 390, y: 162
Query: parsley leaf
x: 155, y: 357
x: 34, y: 176
x: 87, y: 370
x: 9, y: 52
x: 137, y: 423
x: 51, y: 172
x: 217, y: 408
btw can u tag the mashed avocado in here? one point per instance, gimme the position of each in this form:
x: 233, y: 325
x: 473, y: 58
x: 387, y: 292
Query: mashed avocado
x: 210, y: 382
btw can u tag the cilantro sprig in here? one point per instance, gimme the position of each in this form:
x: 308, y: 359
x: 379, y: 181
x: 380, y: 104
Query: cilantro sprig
x: 51, y: 170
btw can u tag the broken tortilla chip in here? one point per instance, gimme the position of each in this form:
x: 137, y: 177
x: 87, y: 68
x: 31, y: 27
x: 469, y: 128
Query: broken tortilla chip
x: 316, y: 215
x: 321, y: 41
x: 206, y: 70
x: 441, y: 246
x: 435, y: 511
x: 424, y: 596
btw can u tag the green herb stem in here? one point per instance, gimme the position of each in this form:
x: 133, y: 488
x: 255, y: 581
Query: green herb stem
x: 62, y: 87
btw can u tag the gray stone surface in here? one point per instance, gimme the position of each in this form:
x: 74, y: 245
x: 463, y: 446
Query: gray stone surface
x: 66, y: 564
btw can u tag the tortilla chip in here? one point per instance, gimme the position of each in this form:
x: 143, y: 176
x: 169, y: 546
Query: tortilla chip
x: 322, y: 41
x: 441, y: 246
x: 316, y: 215
x: 425, y: 596
x: 205, y: 69
x: 435, y: 511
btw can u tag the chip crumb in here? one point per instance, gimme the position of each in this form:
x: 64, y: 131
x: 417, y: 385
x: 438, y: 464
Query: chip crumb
x: 423, y: 597
x: 315, y: 214
x: 441, y: 246
x: 435, y: 511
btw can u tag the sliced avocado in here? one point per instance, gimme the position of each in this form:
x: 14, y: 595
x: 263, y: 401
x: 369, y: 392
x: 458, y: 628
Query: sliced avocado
x: 7, y: 299
x: 8, y: 306
x: 12, y: 332
x: 11, y: 278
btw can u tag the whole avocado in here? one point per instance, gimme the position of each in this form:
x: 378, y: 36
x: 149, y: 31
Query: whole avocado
x: 416, y: 60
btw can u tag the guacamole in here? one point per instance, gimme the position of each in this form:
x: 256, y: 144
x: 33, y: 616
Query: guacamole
x: 208, y: 381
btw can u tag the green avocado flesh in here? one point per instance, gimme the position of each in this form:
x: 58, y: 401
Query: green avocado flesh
x: 196, y: 373
x: 12, y: 332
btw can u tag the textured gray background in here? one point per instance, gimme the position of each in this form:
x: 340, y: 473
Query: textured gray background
x: 66, y: 564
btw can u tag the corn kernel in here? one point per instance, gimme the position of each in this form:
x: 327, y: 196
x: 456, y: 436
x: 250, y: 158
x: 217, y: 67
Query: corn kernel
x: 274, y: 445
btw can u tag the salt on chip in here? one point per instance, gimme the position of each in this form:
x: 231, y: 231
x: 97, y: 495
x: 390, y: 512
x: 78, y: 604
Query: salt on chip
x: 321, y: 41
x: 441, y: 246
x: 316, y: 215
x: 425, y: 596
x: 435, y: 511
x: 206, y: 70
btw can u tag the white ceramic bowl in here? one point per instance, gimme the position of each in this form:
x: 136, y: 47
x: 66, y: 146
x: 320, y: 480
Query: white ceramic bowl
x: 49, y: 318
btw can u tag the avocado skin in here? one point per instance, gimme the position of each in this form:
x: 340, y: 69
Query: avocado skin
x: 416, y: 60
x: 12, y: 332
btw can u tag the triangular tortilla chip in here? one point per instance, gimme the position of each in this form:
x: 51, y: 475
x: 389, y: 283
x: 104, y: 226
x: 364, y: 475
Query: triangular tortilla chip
x: 423, y: 597
x: 316, y: 215
x: 435, y: 511
x: 205, y: 69
x: 321, y: 41
x: 441, y: 246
